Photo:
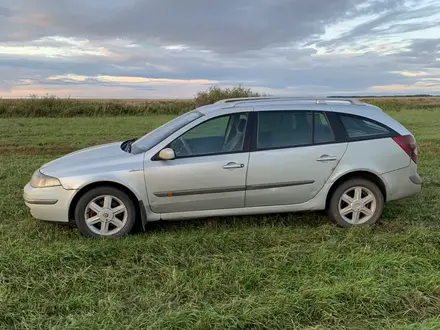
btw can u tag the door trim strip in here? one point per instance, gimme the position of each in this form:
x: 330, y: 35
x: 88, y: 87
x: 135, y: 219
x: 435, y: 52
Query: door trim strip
x: 279, y: 185
x: 199, y: 191
x: 219, y: 190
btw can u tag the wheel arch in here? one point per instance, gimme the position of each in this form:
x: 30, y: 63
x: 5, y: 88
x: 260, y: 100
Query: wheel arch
x: 137, y: 203
x: 357, y: 174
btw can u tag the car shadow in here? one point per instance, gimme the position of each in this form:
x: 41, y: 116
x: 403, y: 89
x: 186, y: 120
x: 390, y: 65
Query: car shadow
x: 282, y: 220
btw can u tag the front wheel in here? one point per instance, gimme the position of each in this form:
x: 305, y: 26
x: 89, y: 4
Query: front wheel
x: 105, y: 212
x: 356, y: 202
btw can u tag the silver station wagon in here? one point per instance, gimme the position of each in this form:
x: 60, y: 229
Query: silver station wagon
x: 236, y: 157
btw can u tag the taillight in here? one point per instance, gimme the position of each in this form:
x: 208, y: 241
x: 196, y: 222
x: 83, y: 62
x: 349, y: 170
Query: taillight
x: 408, y: 144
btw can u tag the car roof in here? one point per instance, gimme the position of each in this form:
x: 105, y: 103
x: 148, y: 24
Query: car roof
x: 280, y: 103
x: 342, y: 105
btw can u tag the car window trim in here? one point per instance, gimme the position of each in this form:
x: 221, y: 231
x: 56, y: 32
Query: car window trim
x: 246, y: 142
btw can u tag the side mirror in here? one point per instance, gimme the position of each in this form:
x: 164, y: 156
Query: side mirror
x: 167, y: 154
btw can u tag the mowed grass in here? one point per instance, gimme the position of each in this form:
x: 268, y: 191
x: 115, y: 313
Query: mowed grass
x: 268, y: 272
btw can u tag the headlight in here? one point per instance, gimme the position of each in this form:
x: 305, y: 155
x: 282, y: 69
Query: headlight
x: 40, y: 180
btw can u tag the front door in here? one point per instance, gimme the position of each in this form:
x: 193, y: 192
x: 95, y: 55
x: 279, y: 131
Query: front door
x: 209, y: 171
x: 291, y: 161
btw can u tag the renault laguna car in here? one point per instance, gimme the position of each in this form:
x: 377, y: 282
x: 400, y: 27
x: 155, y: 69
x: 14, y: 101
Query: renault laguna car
x: 236, y: 157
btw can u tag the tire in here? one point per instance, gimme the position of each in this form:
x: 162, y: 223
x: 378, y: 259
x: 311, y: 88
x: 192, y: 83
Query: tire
x: 344, y: 211
x: 100, y: 219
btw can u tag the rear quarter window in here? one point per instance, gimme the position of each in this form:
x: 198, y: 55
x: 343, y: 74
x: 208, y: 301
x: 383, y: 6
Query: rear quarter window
x: 358, y: 127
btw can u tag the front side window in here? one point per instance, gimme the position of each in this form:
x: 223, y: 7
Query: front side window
x: 281, y: 129
x: 358, y: 127
x: 219, y: 135
x: 154, y: 137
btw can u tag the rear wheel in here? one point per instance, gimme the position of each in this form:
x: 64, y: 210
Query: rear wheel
x: 105, y: 212
x: 356, y: 202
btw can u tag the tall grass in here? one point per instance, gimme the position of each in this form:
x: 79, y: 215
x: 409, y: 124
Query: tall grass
x: 405, y: 103
x: 52, y: 106
x: 215, y: 93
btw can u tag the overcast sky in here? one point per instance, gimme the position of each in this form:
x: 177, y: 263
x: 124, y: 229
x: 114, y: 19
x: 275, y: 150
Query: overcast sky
x: 174, y: 48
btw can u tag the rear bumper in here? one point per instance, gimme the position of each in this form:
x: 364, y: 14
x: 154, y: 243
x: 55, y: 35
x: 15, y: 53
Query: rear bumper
x: 403, y: 183
x: 49, y: 204
x: 416, y: 179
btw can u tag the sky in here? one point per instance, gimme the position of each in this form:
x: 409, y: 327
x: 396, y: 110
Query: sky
x: 175, y: 48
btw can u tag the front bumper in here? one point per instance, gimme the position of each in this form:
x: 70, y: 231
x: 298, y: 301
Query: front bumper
x: 49, y: 204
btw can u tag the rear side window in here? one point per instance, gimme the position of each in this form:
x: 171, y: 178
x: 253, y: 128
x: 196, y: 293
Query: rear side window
x: 282, y: 129
x: 322, y: 130
x: 357, y: 127
x: 285, y: 129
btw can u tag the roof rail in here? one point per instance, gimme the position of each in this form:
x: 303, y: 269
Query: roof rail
x: 317, y: 100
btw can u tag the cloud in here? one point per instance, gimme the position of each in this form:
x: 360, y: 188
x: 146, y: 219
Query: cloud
x: 402, y: 18
x: 150, y: 48
x: 424, y: 87
x: 223, y: 26
x: 5, y: 12
x: 130, y: 80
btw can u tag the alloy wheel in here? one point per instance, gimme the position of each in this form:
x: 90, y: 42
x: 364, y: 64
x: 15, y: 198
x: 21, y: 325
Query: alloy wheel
x: 357, y: 205
x: 106, y: 215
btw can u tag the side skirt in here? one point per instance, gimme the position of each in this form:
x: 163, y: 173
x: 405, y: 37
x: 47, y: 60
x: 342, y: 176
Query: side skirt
x: 312, y: 205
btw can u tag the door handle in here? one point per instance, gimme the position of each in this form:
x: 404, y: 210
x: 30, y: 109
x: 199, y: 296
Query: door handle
x: 326, y: 158
x: 232, y: 165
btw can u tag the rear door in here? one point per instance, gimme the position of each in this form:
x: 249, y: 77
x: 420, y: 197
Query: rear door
x: 293, y: 153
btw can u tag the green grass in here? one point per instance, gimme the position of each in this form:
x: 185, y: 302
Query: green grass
x: 58, y: 107
x: 51, y: 106
x: 267, y: 272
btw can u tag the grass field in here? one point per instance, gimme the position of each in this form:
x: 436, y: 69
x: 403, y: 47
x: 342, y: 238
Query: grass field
x: 60, y: 107
x: 267, y: 272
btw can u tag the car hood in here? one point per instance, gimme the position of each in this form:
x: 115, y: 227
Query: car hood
x: 108, y: 154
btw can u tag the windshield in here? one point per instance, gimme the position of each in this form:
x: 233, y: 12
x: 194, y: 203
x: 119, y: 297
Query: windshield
x: 154, y: 137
